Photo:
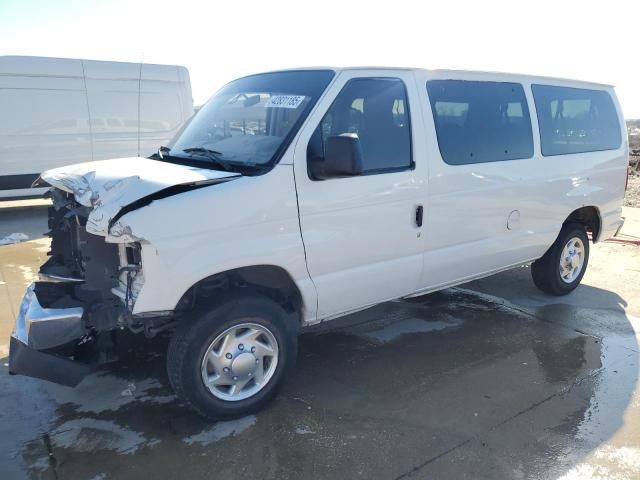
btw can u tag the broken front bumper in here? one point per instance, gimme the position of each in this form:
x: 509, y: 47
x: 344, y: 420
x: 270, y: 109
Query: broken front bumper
x: 38, y: 329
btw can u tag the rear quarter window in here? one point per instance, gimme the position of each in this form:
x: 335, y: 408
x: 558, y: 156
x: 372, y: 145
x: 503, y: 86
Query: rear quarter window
x: 479, y: 122
x: 575, y: 120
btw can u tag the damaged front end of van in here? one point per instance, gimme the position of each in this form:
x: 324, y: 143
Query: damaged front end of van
x: 88, y: 287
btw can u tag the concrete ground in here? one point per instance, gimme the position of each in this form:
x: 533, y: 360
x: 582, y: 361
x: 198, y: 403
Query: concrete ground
x: 490, y: 380
x: 23, y: 216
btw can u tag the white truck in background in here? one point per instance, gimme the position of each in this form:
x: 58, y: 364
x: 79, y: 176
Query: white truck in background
x: 55, y: 112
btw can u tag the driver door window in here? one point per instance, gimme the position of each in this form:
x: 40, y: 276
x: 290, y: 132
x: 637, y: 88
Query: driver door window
x: 376, y: 110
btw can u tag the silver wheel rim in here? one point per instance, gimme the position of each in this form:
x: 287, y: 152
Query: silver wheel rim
x: 240, y: 362
x: 571, y: 260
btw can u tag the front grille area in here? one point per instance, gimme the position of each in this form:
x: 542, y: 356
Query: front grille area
x: 87, y: 265
x: 74, y: 252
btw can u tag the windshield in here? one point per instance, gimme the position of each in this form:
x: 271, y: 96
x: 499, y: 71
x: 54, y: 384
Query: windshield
x: 251, y: 121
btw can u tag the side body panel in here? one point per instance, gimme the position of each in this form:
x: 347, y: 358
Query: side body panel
x: 471, y: 228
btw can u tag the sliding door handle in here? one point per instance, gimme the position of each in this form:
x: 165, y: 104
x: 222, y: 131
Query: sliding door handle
x: 419, y: 215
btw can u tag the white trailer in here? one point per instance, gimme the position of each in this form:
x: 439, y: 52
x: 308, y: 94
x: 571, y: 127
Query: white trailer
x: 56, y: 112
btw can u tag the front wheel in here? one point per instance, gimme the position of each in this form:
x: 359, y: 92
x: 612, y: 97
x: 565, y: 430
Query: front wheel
x: 561, y: 269
x: 230, y: 360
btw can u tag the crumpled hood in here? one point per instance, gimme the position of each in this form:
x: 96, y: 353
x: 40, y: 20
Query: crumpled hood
x: 107, y: 186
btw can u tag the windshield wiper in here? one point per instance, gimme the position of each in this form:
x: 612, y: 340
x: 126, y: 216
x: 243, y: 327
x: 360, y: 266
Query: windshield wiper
x: 162, y: 150
x: 212, y: 155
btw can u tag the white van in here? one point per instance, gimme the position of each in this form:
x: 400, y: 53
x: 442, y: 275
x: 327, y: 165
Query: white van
x: 55, y: 112
x: 296, y: 197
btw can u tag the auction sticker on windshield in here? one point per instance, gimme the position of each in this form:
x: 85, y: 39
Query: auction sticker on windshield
x: 285, y: 101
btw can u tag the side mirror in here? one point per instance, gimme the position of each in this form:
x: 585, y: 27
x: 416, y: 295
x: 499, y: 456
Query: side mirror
x: 342, y: 158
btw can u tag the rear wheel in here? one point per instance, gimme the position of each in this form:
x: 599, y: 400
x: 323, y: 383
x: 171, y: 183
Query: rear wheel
x: 561, y: 269
x: 230, y: 360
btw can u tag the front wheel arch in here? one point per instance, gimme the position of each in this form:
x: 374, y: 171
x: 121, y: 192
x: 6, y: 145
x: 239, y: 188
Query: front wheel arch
x: 270, y: 281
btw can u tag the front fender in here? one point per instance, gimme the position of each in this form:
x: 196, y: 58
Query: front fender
x: 188, y: 237
x: 171, y: 269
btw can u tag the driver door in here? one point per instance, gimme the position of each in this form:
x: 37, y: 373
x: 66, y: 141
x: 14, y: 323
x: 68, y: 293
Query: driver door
x: 363, y: 234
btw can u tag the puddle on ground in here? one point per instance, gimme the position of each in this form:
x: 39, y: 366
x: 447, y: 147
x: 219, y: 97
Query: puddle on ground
x: 304, y: 430
x: 102, y: 392
x: 88, y: 435
x: 395, y: 330
x: 221, y: 430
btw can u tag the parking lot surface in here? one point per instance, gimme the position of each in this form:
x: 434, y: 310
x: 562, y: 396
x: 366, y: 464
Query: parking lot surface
x: 489, y: 380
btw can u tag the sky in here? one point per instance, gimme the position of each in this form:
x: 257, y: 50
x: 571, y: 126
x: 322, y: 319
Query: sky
x: 222, y: 40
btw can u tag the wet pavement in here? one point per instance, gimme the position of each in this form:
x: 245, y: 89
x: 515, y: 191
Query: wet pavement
x: 23, y: 216
x: 490, y: 380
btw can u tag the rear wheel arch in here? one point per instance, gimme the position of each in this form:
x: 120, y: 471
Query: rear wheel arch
x: 589, y: 216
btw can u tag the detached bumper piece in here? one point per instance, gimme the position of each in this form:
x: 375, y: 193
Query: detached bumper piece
x: 38, y: 329
x: 45, y: 366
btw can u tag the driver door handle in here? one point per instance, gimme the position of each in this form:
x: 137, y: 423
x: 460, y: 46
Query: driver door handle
x: 419, y: 215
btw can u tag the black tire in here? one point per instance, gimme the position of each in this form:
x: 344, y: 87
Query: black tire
x: 546, y: 270
x: 194, y: 336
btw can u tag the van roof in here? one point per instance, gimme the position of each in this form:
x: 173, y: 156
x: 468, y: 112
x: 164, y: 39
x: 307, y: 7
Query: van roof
x: 73, y: 67
x: 470, y: 74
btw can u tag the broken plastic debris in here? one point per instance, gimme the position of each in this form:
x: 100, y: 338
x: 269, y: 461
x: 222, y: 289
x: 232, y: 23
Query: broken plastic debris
x: 304, y: 430
x: 127, y: 392
x: 13, y: 238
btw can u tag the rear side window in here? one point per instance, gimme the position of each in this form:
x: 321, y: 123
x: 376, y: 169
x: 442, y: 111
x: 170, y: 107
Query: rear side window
x: 575, y: 120
x: 376, y: 110
x: 480, y: 122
